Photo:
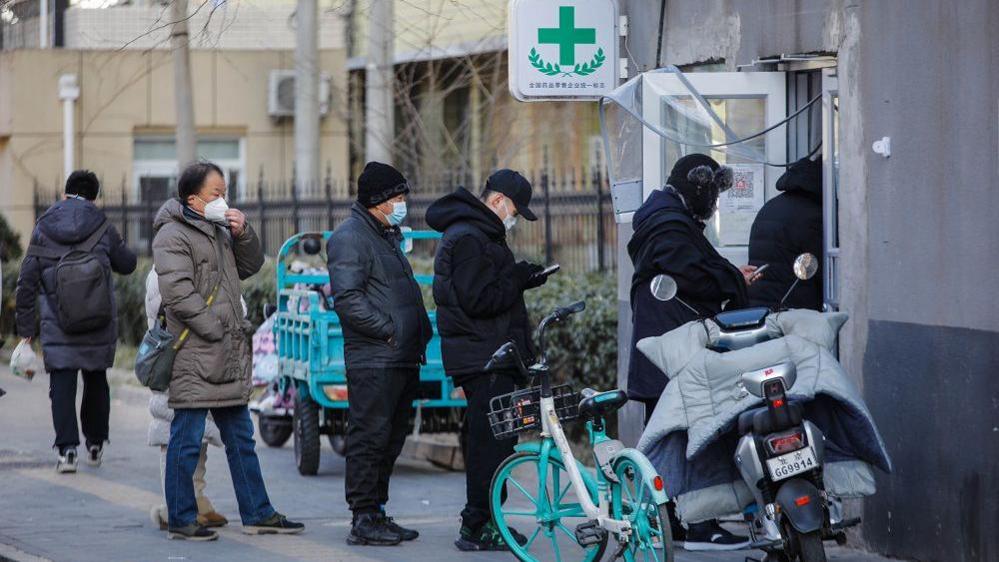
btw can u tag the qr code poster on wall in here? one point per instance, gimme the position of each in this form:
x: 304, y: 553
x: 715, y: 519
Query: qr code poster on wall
x: 738, y: 206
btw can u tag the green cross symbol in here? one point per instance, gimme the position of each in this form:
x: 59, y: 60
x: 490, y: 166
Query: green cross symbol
x: 567, y: 36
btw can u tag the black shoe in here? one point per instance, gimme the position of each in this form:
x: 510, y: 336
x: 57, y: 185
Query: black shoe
x: 709, y: 535
x: 95, y: 454
x: 370, y: 529
x: 67, y: 461
x: 406, y: 534
x: 276, y: 524
x: 192, y: 532
x: 487, y: 538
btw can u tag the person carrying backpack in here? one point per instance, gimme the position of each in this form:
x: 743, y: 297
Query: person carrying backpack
x: 73, y: 250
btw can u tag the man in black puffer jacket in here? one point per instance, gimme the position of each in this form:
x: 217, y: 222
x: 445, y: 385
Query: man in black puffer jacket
x: 669, y: 239
x: 385, y: 330
x: 787, y: 226
x: 73, y: 223
x: 479, y: 289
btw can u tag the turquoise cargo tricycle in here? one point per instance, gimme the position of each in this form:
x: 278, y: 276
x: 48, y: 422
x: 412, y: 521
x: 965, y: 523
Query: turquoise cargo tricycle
x: 310, y: 390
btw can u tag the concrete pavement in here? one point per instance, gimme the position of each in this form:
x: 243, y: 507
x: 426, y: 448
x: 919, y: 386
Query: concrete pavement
x: 103, y: 514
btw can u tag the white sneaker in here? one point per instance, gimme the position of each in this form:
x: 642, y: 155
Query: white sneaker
x: 94, y: 455
x: 67, y: 462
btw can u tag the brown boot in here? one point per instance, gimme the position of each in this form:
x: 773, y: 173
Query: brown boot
x: 212, y: 519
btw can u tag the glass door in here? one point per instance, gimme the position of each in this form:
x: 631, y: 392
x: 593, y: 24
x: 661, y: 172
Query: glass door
x: 741, y: 104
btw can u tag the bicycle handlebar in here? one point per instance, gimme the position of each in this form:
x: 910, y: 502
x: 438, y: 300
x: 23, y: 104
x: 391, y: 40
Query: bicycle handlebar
x: 502, y: 357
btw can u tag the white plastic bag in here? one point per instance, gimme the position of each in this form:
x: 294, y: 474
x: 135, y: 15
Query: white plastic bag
x: 24, y: 362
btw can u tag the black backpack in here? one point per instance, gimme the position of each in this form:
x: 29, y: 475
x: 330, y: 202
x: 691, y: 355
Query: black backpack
x: 83, y: 288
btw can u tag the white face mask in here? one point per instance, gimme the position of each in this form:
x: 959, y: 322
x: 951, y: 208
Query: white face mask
x: 510, y: 220
x: 215, y: 210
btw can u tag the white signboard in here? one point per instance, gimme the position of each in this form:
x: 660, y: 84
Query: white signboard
x: 562, y: 49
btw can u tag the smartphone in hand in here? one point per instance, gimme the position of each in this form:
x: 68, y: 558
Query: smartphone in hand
x: 548, y: 270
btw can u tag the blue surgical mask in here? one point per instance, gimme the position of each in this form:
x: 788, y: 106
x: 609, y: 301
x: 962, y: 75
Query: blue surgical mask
x: 398, y: 214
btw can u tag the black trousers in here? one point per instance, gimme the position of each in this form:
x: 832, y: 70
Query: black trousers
x: 380, y: 417
x: 483, y: 452
x: 94, y: 410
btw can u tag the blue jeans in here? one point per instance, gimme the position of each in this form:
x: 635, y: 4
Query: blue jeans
x: 186, y: 432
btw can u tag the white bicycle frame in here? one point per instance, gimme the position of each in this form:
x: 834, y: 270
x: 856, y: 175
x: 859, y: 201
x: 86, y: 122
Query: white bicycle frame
x: 551, y: 426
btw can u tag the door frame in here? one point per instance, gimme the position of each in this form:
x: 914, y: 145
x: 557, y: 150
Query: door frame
x: 771, y: 86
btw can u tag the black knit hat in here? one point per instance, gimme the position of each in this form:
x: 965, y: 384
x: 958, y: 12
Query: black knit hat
x: 378, y: 183
x: 694, y: 170
x: 700, y: 179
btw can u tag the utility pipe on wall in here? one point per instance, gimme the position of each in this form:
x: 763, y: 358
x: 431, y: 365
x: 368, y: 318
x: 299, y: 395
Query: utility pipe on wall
x: 69, y: 91
x: 43, y: 24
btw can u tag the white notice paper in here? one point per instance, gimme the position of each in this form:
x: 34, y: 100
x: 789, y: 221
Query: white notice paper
x: 738, y: 206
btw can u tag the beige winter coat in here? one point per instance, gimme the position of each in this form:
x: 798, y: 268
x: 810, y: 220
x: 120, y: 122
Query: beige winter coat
x: 192, y: 256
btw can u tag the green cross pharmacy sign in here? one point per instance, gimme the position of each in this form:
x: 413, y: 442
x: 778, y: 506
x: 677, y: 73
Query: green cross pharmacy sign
x: 562, y: 49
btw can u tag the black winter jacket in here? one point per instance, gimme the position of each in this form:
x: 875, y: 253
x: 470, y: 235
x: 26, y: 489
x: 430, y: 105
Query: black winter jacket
x: 380, y: 305
x: 62, y: 226
x: 787, y: 226
x: 477, y: 286
x: 669, y: 240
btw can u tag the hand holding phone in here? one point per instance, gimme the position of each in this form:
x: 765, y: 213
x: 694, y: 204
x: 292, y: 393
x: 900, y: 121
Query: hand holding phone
x: 753, y: 274
x: 548, y: 270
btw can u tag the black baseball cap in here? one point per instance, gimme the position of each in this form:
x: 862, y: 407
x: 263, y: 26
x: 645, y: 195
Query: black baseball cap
x: 514, y: 186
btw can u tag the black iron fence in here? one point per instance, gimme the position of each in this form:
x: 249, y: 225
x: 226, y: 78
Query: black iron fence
x: 575, y: 225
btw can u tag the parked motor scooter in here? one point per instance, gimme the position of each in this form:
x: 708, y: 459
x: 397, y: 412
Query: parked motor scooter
x: 780, y: 454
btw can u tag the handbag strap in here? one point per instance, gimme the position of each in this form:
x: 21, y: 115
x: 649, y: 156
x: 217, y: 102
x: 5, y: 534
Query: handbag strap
x: 187, y: 331
x: 208, y: 301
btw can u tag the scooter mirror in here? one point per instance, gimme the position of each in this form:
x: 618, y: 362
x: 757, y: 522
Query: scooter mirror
x: 663, y: 287
x: 806, y: 266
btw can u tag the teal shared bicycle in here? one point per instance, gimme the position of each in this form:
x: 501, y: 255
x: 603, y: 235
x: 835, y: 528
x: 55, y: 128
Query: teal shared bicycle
x: 547, y: 505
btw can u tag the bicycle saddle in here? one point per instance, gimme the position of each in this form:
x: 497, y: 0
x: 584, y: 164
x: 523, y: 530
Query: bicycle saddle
x: 595, y: 404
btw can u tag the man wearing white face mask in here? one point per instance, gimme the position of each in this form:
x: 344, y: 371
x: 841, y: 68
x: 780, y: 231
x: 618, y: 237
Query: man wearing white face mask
x: 479, y: 288
x: 386, y: 330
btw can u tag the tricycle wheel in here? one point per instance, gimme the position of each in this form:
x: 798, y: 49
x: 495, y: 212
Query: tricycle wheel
x: 306, y: 426
x: 338, y: 443
x: 274, y: 430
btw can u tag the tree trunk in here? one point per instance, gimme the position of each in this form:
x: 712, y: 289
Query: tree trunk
x: 307, y: 97
x: 379, y: 74
x: 183, y: 97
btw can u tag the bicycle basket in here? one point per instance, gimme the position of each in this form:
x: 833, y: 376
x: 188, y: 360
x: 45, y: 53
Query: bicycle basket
x: 520, y: 410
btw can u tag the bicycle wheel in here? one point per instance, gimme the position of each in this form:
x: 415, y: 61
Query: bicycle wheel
x: 651, y: 539
x: 547, y: 519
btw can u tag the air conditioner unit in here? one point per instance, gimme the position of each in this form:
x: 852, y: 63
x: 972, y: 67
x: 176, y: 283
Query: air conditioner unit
x: 281, y: 93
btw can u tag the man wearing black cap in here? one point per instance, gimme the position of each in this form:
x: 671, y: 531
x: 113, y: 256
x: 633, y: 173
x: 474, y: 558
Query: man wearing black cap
x: 386, y: 330
x: 479, y: 289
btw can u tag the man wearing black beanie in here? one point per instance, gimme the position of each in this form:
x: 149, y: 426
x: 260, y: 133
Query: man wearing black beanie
x: 386, y: 330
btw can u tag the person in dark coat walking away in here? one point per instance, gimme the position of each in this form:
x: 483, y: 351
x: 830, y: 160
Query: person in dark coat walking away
x: 787, y: 226
x: 74, y: 227
x: 479, y: 288
x: 386, y: 331
x: 202, y: 250
x: 669, y: 239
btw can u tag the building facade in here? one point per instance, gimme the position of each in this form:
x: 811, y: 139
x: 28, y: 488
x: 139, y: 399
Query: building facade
x: 454, y: 115
x: 914, y: 227
x: 123, y: 119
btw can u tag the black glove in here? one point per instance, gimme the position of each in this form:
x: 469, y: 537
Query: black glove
x: 526, y: 274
